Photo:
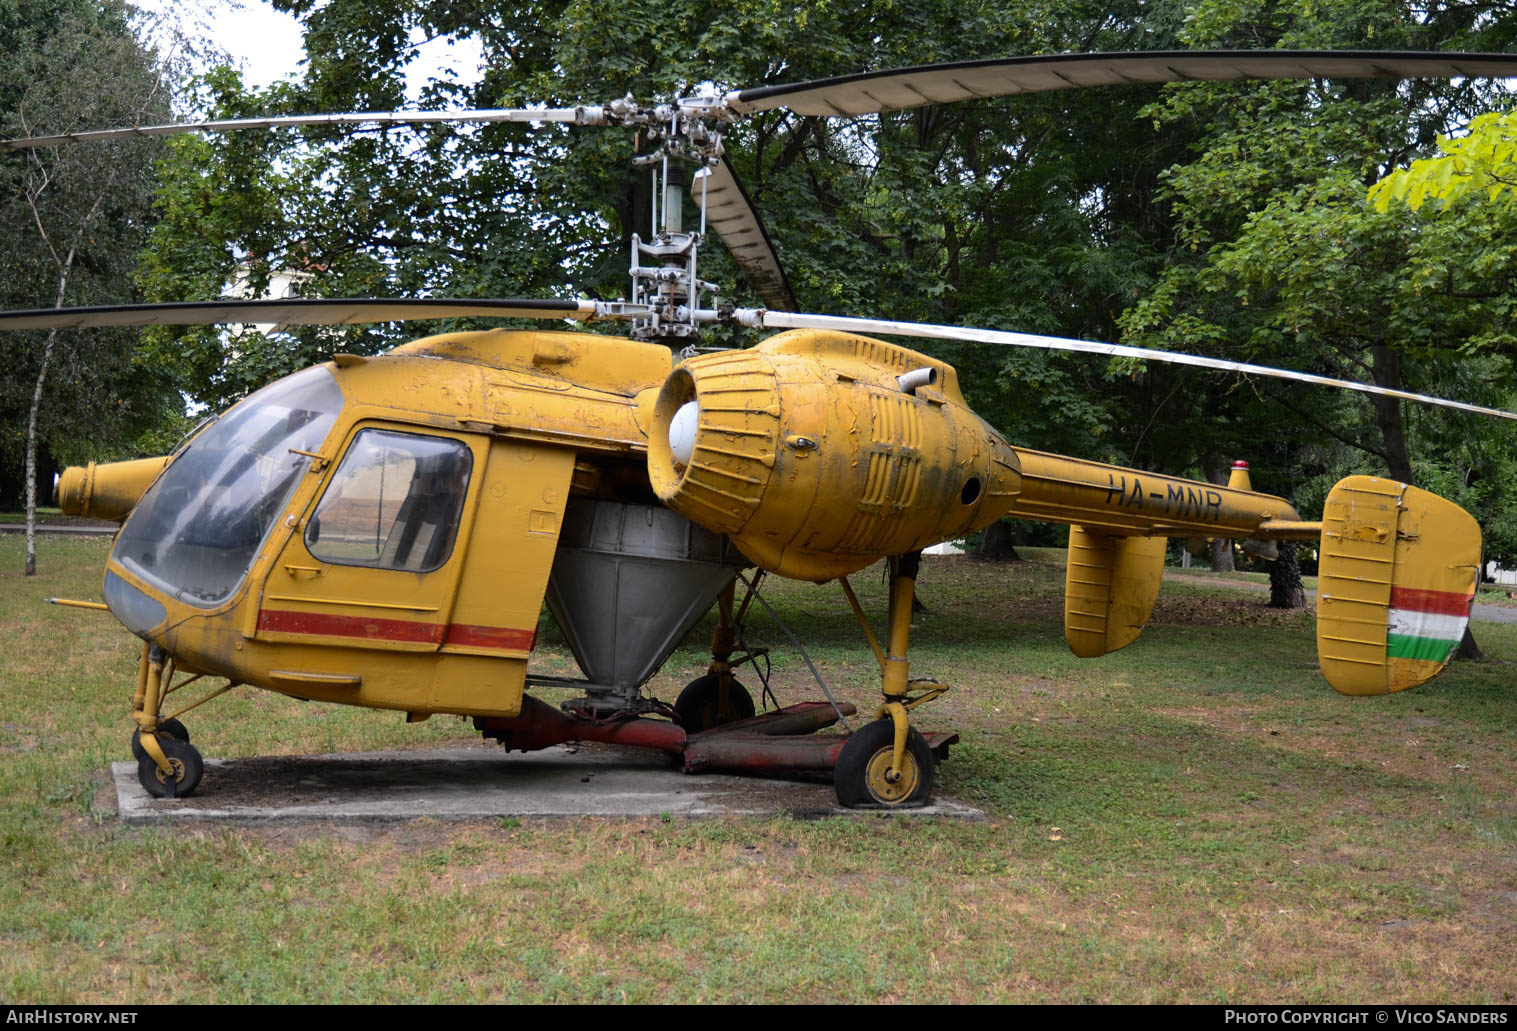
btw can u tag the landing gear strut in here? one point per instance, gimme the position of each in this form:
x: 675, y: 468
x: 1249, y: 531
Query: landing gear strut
x: 716, y: 698
x: 168, y: 766
x: 889, y: 764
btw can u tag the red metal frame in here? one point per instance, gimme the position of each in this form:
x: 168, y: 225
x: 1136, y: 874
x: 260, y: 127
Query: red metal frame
x: 773, y: 742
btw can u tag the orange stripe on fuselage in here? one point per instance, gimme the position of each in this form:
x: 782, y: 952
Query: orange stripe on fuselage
x: 317, y: 624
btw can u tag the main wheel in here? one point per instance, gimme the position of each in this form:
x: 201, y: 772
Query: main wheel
x: 173, y: 728
x: 187, y: 769
x: 700, y: 706
x: 860, y: 776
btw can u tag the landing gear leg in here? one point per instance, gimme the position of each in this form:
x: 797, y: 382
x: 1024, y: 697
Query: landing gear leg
x: 717, y: 697
x: 168, y: 766
x: 888, y: 764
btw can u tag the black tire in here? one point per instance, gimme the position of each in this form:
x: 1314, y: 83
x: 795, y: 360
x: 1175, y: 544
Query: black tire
x: 187, y: 764
x: 859, y: 776
x: 699, y: 706
x: 173, y: 728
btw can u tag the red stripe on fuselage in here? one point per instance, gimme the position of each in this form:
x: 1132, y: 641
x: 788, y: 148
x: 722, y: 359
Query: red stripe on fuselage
x: 1445, y: 603
x: 465, y: 634
x: 369, y: 628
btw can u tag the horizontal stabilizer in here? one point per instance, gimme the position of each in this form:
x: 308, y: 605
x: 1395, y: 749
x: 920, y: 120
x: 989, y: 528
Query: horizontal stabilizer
x: 1396, y: 581
x: 1110, y: 585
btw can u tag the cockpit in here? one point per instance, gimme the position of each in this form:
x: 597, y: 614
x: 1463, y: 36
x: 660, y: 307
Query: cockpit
x: 196, y: 531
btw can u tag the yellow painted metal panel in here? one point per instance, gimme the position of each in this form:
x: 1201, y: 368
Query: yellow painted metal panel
x: 1110, y: 585
x: 1396, y: 580
x: 494, y: 624
x: 582, y: 360
x: 108, y: 490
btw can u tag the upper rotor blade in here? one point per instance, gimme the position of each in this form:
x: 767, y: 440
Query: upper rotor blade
x: 292, y: 312
x: 731, y: 215
x: 869, y: 92
x: 790, y: 320
x: 589, y: 115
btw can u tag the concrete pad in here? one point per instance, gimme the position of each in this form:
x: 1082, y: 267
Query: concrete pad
x: 480, y: 783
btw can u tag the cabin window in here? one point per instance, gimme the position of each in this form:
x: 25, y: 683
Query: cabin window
x: 394, y: 502
x: 195, y: 533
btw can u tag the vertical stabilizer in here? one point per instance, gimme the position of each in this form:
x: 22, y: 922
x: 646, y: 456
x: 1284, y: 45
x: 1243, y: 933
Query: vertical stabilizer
x: 1109, y: 589
x: 1396, y: 581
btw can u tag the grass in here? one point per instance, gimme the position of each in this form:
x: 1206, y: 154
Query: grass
x: 43, y: 512
x: 1196, y: 819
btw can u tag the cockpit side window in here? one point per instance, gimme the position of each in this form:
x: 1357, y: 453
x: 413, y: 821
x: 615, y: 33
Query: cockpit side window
x: 394, y: 502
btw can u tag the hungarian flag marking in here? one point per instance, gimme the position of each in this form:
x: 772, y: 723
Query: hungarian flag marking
x: 1426, y: 625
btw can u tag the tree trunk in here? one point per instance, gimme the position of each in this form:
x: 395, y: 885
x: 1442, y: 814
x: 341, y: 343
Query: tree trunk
x: 996, y: 545
x: 1217, y: 471
x: 1468, y: 649
x: 65, y: 267
x: 1285, y: 588
x: 1386, y: 371
x: 1222, y: 555
x: 31, y: 457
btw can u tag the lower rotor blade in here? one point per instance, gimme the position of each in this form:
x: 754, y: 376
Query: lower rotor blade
x: 791, y: 320
x: 731, y: 215
x: 581, y: 115
x: 292, y: 312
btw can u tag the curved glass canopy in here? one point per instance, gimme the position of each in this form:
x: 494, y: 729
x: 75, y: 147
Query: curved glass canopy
x: 195, y: 532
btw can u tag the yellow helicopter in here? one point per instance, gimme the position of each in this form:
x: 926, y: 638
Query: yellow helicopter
x: 383, y: 531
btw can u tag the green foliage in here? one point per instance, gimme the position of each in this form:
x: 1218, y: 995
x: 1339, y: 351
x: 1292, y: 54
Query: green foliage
x: 75, y: 213
x: 1278, y: 261
x: 1217, y: 218
x: 1461, y: 263
x: 1480, y: 165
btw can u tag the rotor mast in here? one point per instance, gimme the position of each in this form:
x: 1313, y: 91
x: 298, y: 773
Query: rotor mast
x: 666, y: 285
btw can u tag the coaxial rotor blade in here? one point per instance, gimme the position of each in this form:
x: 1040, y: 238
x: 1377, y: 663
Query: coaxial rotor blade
x: 869, y: 92
x: 298, y: 311
x: 885, y: 327
x: 731, y: 215
x: 578, y: 115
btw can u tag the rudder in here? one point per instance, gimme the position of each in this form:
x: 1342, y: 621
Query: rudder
x: 1396, y: 580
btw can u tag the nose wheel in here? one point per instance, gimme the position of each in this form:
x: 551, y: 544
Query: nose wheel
x: 168, y: 766
x: 185, y: 769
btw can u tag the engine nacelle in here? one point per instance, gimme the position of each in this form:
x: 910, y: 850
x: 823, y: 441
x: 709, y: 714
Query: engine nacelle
x: 820, y: 452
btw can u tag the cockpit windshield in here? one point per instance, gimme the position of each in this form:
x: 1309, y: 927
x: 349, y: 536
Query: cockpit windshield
x: 195, y: 532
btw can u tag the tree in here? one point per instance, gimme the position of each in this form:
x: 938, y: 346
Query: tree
x: 1285, y: 588
x: 1278, y: 260
x: 1481, y: 165
x: 998, y: 544
x: 1474, y: 226
x: 74, y: 220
